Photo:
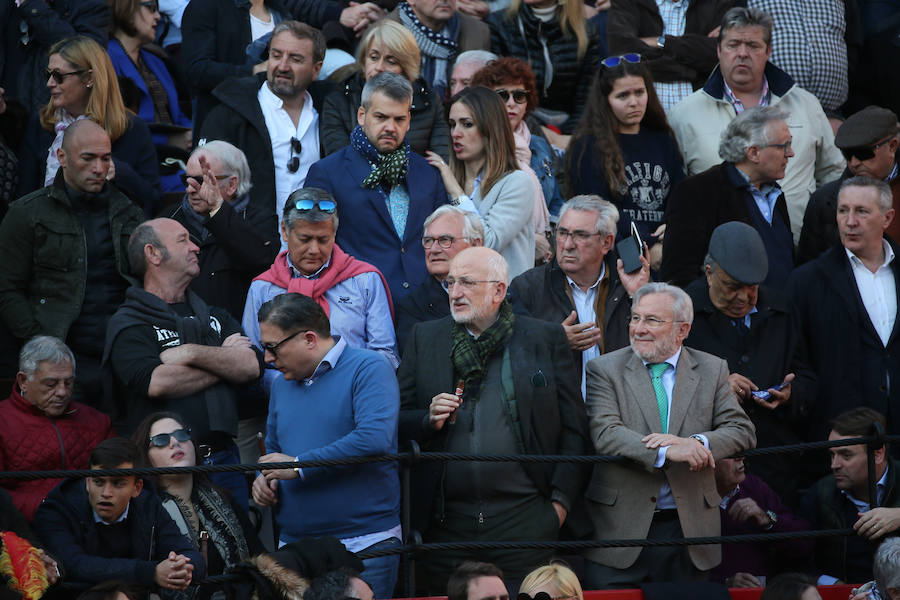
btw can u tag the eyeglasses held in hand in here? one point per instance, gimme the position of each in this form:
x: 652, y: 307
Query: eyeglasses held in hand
x: 326, y: 206
x: 611, y: 62
x: 161, y: 440
x: 58, y: 76
x: 296, y: 149
x: 519, y: 96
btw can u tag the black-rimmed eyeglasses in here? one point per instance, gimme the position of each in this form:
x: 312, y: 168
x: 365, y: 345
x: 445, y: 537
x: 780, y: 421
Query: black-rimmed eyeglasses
x: 58, y: 76
x: 296, y: 149
x: 273, y: 348
x: 518, y: 96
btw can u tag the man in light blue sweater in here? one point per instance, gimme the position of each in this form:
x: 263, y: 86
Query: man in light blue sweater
x: 330, y: 401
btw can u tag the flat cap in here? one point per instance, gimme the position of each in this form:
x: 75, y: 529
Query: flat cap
x: 865, y: 128
x: 739, y: 251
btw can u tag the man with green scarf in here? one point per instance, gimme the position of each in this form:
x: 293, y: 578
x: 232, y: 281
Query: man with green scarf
x: 384, y: 189
x: 486, y: 381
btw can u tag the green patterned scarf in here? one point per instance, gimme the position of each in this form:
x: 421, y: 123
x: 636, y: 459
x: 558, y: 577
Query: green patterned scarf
x: 470, y: 355
x: 388, y: 168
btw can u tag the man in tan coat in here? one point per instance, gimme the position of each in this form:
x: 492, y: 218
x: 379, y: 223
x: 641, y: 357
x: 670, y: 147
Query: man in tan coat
x: 671, y: 411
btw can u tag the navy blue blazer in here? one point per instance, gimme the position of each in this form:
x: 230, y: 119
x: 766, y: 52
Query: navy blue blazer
x: 366, y: 230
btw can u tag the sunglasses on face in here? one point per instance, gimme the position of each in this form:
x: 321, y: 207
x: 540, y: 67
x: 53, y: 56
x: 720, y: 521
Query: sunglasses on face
x: 152, y: 5
x: 519, y: 96
x: 326, y: 206
x: 161, y: 440
x: 296, y: 148
x: 611, y: 62
x: 58, y: 76
x: 864, y: 152
x: 198, y: 179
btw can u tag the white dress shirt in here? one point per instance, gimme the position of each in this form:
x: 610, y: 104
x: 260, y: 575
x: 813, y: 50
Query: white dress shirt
x: 281, y: 129
x: 584, y: 305
x: 878, y: 291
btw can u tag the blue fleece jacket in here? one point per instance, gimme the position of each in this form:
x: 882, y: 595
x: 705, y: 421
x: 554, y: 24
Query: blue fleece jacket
x: 350, y: 410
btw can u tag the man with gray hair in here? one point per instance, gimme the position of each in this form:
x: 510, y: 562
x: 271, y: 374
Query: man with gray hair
x: 385, y: 189
x: 274, y: 117
x: 448, y: 231
x: 756, y: 147
x: 585, y: 287
x: 232, y: 234
x: 353, y: 293
x: 43, y: 428
x: 887, y: 569
x: 489, y: 381
x: 745, y: 78
x: 845, y: 310
x: 671, y: 410
x: 467, y: 64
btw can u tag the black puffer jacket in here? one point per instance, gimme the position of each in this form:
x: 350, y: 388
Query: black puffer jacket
x: 427, y: 130
x: 521, y: 37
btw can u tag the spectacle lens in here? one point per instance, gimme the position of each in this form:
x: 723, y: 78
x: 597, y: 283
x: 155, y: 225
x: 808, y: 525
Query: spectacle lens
x: 326, y: 206
x: 519, y: 96
x: 161, y: 440
x: 614, y: 61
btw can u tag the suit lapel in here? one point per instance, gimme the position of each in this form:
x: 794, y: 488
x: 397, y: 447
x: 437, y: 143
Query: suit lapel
x: 637, y: 382
x: 419, y: 206
x: 686, y: 381
x: 359, y: 168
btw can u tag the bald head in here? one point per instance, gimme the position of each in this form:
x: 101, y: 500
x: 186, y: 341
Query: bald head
x: 85, y: 156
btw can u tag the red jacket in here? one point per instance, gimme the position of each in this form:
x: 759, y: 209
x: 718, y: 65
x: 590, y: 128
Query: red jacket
x: 31, y: 441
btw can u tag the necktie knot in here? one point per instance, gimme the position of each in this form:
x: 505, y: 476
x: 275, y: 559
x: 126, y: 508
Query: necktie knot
x: 657, y: 369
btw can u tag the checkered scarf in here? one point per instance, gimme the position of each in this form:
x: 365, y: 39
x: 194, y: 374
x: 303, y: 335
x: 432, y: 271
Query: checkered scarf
x: 470, y: 355
x: 389, y: 168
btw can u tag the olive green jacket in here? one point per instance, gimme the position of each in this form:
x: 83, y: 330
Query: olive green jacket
x: 44, y: 274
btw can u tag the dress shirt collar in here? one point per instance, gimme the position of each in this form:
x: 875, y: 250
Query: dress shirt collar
x: 672, y: 360
x: 295, y: 272
x: 888, y: 255
x: 879, y: 492
x: 575, y: 286
x: 328, y: 361
x: 122, y: 517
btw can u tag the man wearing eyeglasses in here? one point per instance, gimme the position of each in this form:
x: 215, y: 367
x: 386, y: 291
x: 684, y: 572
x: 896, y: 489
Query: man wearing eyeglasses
x: 869, y: 140
x: 353, y: 293
x: 671, y: 411
x: 487, y: 381
x: 275, y: 120
x: 585, y: 287
x: 330, y: 401
x: 448, y: 231
x: 756, y: 148
x: 745, y: 78
x: 235, y: 243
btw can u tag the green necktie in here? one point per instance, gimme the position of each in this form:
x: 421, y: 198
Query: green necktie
x: 662, y: 400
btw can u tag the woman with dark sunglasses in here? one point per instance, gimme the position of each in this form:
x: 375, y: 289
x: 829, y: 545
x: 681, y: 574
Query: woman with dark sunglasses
x: 207, y: 515
x: 513, y: 80
x: 624, y: 150
x: 83, y: 84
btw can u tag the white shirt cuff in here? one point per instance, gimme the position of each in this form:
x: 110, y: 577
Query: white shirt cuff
x: 660, y: 457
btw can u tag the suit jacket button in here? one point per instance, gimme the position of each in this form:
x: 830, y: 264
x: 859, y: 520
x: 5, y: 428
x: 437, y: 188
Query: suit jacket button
x: 653, y: 499
x: 406, y: 284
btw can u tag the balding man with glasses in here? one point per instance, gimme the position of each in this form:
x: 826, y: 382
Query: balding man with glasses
x: 671, y: 411
x: 584, y: 288
x: 353, y: 293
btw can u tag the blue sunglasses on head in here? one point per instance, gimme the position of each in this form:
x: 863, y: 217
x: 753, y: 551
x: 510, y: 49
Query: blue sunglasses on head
x: 326, y: 206
x: 612, y: 62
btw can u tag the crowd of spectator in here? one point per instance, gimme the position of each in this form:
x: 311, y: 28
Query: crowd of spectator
x: 271, y: 231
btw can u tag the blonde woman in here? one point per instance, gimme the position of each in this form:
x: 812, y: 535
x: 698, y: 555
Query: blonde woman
x: 83, y: 84
x: 386, y: 46
x: 556, y: 580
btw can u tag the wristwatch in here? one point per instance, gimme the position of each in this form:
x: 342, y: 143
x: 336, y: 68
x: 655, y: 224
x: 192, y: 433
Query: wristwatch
x: 773, y: 519
x: 661, y: 41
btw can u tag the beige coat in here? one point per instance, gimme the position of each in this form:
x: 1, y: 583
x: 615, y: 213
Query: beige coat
x: 622, y: 409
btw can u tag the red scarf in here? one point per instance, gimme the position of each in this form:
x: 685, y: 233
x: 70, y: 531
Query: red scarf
x: 342, y: 267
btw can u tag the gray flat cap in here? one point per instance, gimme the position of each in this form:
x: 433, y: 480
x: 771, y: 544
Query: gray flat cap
x: 740, y: 252
x: 866, y: 127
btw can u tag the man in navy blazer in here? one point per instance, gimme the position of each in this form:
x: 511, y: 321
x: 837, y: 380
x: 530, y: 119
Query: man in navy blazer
x: 385, y: 190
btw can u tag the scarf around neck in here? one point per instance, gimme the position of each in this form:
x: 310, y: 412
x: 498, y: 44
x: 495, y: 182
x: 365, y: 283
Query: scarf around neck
x: 438, y: 48
x: 470, y: 355
x: 341, y: 267
x: 388, y: 169
x: 540, y: 214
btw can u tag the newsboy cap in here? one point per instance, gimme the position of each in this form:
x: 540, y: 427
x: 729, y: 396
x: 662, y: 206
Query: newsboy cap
x: 739, y: 251
x: 865, y: 128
